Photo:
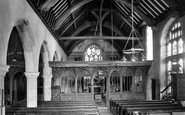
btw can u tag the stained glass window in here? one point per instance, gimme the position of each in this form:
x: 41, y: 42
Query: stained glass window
x: 93, y: 53
x: 174, y: 50
x: 180, y: 46
x: 169, y: 49
x: 180, y: 65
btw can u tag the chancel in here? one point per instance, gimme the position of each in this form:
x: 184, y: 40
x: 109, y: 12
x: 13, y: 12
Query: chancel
x: 92, y: 57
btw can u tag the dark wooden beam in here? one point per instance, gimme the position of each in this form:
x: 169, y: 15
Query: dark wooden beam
x: 71, y: 23
x: 126, y: 20
x: 115, y: 29
x: 75, y: 7
x: 148, y: 20
x: 72, y: 14
x: 86, y: 25
x: 47, y: 5
x: 172, y: 4
x: 82, y: 27
x: 98, y: 63
x: 100, y: 19
x: 98, y: 38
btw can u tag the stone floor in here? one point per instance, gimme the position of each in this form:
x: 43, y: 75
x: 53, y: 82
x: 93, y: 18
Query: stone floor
x: 102, y: 108
x: 104, y: 111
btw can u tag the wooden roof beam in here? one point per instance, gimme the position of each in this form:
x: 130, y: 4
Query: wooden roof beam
x: 71, y: 23
x: 75, y: 7
x: 97, y: 38
x: 148, y: 20
x: 47, y: 5
x: 86, y: 25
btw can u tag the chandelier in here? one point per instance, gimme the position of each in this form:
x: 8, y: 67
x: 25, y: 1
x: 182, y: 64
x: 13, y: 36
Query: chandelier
x: 132, y: 51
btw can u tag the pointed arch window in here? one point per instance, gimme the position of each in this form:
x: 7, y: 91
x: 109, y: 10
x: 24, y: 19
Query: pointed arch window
x: 93, y: 53
x: 174, y: 50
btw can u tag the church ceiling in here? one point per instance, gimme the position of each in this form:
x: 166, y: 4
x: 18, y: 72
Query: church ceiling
x: 73, y: 21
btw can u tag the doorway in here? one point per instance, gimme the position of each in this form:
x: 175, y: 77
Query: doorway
x: 153, y: 89
x: 100, y: 88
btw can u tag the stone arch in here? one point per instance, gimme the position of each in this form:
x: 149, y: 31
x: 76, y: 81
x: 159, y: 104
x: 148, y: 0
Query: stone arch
x: 45, y: 54
x: 28, y: 42
x: 26, y: 34
x: 15, y: 52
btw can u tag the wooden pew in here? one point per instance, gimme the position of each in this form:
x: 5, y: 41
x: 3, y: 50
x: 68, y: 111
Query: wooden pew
x: 153, y: 109
x: 56, y: 108
x: 116, y: 104
x: 125, y: 107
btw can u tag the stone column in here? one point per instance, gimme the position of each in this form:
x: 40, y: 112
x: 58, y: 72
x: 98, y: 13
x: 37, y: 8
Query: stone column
x: 47, y: 76
x: 47, y: 88
x: 31, y: 88
x: 3, y: 71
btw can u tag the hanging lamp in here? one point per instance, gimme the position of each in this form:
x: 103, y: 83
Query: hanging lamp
x: 132, y: 50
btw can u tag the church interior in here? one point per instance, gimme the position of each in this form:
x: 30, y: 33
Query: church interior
x: 92, y: 57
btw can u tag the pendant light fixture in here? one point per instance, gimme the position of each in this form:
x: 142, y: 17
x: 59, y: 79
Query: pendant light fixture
x: 131, y: 37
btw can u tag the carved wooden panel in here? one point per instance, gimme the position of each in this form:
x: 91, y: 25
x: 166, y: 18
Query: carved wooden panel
x: 127, y: 96
x: 55, y: 93
x: 84, y: 96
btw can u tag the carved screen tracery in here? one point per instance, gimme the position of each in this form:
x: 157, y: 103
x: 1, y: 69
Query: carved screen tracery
x: 115, y: 82
x: 67, y: 85
x: 127, y: 80
x: 84, y: 82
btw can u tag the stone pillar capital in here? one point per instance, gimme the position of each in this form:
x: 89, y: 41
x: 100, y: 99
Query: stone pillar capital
x: 3, y: 69
x: 31, y: 74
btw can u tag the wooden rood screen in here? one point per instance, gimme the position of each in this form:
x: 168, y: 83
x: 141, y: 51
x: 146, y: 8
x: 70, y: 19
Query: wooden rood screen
x: 76, y: 81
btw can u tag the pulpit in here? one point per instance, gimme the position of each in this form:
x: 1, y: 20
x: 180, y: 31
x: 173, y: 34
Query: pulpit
x: 178, y: 86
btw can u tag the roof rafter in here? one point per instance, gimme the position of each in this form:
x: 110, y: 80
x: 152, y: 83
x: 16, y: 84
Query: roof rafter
x: 149, y: 21
x: 71, y: 23
x: 62, y: 18
x: 126, y: 20
x: 47, y: 5
x: 72, y: 14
